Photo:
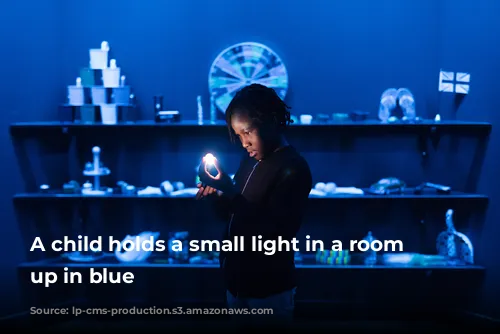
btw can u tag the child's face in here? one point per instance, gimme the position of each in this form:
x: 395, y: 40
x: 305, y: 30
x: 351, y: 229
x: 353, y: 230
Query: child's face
x: 256, y: 141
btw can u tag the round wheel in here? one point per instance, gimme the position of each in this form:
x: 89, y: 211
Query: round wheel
x: 241, y: 65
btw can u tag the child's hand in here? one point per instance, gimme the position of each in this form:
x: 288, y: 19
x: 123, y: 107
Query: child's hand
x: 221, y: 181
x: 205, y: 191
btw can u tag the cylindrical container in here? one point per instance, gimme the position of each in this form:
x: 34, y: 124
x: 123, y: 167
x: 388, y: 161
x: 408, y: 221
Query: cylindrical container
x: 121, y: 95
x: 91, y: 77
x: 98, y: 59
x: 76, y: 96
x: 87, y: 114
x: 111, y: 75
x: 98, y: 95
x: 109, y: 114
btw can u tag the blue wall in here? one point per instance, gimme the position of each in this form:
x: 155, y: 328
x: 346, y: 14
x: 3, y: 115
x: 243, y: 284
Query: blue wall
x: 340, y: 56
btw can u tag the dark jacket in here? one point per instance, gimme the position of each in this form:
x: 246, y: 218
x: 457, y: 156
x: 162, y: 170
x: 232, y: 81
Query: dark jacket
x: 273, y: 194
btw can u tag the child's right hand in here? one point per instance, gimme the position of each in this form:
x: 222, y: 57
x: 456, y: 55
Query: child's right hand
x: 204, y: 191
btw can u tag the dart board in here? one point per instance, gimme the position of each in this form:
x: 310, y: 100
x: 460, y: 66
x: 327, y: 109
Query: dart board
x: 241, y: 65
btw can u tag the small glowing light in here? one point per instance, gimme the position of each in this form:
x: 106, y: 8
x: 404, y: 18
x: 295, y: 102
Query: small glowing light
x: 209, y: 159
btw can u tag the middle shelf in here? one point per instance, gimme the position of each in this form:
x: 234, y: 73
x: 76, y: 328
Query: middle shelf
x: 409, y: 195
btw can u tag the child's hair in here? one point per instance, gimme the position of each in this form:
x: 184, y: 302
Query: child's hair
x: 261, y: 104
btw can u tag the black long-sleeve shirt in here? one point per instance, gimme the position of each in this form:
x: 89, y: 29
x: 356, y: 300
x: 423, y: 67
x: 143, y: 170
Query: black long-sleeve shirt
x: 272, y: 197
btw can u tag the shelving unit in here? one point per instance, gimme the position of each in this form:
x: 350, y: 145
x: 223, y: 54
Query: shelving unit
x: 422, y: 278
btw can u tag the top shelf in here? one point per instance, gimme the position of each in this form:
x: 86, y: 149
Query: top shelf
x: 424, y: 127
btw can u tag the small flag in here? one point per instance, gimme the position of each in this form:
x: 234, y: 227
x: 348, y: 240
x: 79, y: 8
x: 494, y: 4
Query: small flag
x: 451, y: 82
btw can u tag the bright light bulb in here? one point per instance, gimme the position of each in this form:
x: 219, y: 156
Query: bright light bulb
x: 209, y: 159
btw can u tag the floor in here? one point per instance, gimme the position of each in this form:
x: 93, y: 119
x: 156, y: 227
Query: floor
x: 179, y: 326
x: 300, y: 325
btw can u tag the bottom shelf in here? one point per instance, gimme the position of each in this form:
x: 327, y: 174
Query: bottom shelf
x: 110, y: 261
x: 409, y: 287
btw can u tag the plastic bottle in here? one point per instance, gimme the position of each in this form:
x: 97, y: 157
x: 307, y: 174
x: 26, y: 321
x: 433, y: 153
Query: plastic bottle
x: 370, y: 254
x: 200, y: 110
x: 213, y: 110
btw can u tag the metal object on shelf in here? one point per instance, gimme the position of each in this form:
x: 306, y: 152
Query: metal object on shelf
x: 125, y: 188
x: 414, y: 259
x: 241, y: 65
x: 358, y: 115
x: 178, y: 255
x: 44, y: 188
x: 96, y: 170
x: 137, y: 248
x: 387, y: 186
x: 162, y: 115
x: 72, y: 187
x: 441, y: 189
x: 168, y: 116
x: 453, y: 244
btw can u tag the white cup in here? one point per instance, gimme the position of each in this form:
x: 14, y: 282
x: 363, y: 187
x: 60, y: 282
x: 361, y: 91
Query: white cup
x: 306, y: 119
x: 98, y: 59
x: 98, y: 95
x: 111, y: 77
x: 76, y: 96
x: 109, y: 114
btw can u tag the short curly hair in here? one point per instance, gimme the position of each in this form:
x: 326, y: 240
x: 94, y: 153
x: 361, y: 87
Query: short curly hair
x: 262, y: 105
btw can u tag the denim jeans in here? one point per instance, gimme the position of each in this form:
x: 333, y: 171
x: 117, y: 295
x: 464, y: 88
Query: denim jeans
x: 276, y: 310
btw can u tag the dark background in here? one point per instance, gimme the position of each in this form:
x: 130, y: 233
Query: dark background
x: 340, y: 56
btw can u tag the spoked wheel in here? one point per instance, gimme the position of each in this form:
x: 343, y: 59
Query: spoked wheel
x: 241, y: 65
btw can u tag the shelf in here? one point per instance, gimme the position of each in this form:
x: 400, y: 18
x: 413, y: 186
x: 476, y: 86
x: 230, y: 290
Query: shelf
x: 87, y: 105
x: 110, y: 262
x: 424, y: 127
x: 407, y: 196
